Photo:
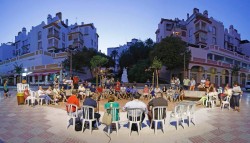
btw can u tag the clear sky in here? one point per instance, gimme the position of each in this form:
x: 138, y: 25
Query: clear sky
x: 118, y: 21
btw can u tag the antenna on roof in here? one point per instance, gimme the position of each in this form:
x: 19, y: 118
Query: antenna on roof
x: 76, y: 20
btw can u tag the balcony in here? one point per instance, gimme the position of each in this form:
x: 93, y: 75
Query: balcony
x: 51, y: 35
x: 200, y: 29
x: 76, y: 41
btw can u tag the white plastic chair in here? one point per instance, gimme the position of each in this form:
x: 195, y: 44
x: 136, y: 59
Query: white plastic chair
x: 113, y: 112
x: 226, y: 102
x: 71, y: 115
x: 134, y: 117
x: 210, y: 100
x: 87, y: 118
x: 32, y: 97
x: 159, y: 117
x: 191, y: 113
x: 177, y: 115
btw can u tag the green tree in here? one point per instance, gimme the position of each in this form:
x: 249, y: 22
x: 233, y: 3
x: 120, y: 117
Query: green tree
x: 156, y: 66
x: 171, y: 51
x: 135, y: 72
x: 96, y: 62
x: 18, y: 69
x: 82, y: 59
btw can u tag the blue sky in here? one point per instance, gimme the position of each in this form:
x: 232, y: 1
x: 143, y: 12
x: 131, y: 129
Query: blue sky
x: 118, y: 21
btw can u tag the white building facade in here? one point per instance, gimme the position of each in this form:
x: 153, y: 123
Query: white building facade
x: 215, y: 50
x: 43, y: 48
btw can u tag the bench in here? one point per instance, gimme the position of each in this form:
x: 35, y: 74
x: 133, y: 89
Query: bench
x: 194, y: 94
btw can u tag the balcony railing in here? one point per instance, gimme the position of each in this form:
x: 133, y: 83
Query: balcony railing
x: 53, y: 35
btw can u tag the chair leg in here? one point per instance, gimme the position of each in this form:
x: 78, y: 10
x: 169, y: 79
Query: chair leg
x: 117, y: 128
x: 74, y: 122
x: 155, y: 129
x: 83, y: 123
x: 109, y: 129
x: 163, y: 127
x: 139, y: 128
x: 90, y: 126
x: 130, y: 126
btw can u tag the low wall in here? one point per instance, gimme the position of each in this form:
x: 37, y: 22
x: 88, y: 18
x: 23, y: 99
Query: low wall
x: 194, y: 94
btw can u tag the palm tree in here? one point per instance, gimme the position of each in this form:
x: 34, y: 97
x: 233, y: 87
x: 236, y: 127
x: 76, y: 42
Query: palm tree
x: 156, y: 66
x: 96, y: 62
x: 18, y: 69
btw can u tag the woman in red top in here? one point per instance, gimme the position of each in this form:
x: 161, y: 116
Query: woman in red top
x: 207, y: 83
x: 26, y: 92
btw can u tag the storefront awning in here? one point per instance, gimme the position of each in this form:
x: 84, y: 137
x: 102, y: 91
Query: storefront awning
x: 43, y: 73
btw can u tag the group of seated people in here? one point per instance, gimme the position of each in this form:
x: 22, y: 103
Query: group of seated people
x: 222, y: 94
x: 168, y: 93
x: 49, y: 95
x: 135, y: 103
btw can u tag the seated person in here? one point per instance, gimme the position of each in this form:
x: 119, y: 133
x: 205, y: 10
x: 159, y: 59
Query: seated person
x: 136, y: 103
x: 82, y: 91
x: 50, y: 92
x: 176, y: 94
x: 112, y: 104
x: 128, y: 92
x: 99, y: 92
x: 26, y: 92
x: 123, y: 91
x: 145, y: 92
x: 42, y: 94
x: 63, y: 93
x: 182, y: 94
x: 56, y: 94
x: 74, y: 100
x: 157, y: 101
x: 89, y: 101
x: 118, y: 91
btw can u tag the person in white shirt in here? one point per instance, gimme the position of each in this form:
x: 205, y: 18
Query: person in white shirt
x: 42, y: 94
x: 136, y: 103
x: 157, y: 89
x: 192, y: 84
x: 123, y: 91
x: 81, y: 91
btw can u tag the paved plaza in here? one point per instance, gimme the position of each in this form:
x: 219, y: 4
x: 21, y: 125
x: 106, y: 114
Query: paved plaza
x: 45, y: 124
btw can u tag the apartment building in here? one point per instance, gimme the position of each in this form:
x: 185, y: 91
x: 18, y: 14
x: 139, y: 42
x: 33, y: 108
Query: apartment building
x: 216, y: 51
x: 42, y: 49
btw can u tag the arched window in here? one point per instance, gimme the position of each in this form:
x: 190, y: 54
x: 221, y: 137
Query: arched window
x: 214, y: 30
x: 39, y: 35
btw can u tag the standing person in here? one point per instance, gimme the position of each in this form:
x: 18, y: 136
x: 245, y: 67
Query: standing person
x: 236, y: 96
x: 75, y: 82
x: 186, y: 82
x: 177, y: 82
x: 5, y: 88
x: 192, y: 84
x: 172, y: 82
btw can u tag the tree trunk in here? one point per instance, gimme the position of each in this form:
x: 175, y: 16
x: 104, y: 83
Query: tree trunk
x: 157, y: 81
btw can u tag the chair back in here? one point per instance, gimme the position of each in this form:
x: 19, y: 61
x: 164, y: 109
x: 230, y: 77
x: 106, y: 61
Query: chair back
x: 135, y: 114
x: 68, y: 92
x: 114, y: 112
x: 228, y: 98
x: 191, y: 108
x: 72, y: 110
x: 159, y: 112
x: 88, y: 112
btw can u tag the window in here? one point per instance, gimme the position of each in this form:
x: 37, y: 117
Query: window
x: 63, y: 36
x: 168, y: 27
x: 70, y: 37
x: 63, y: 45
x: 86, y: 30
x: 210, y: 56
x: 214, y: 41
x: 218, y: 58
x: 14, y: 53
x: 50, y: 31
x: 39, y: 46
x: 55, y: 42
x: 39, y: 35
x: 214, y: 30
x: 92, y: 42
x: 190, y: 32
x: 183, y: 33
x: 50, y: 42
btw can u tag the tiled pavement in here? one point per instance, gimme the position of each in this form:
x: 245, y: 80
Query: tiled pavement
x: 43, y: 124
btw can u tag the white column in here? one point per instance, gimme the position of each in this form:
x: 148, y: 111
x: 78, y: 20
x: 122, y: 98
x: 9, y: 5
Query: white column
x: 60, y: 76
x: 218, y: 73
x: 33, y: 79
x: 230, y: 77
x: 46, y: 78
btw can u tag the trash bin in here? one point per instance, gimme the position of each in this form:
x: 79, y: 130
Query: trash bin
x: 20, y: 98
